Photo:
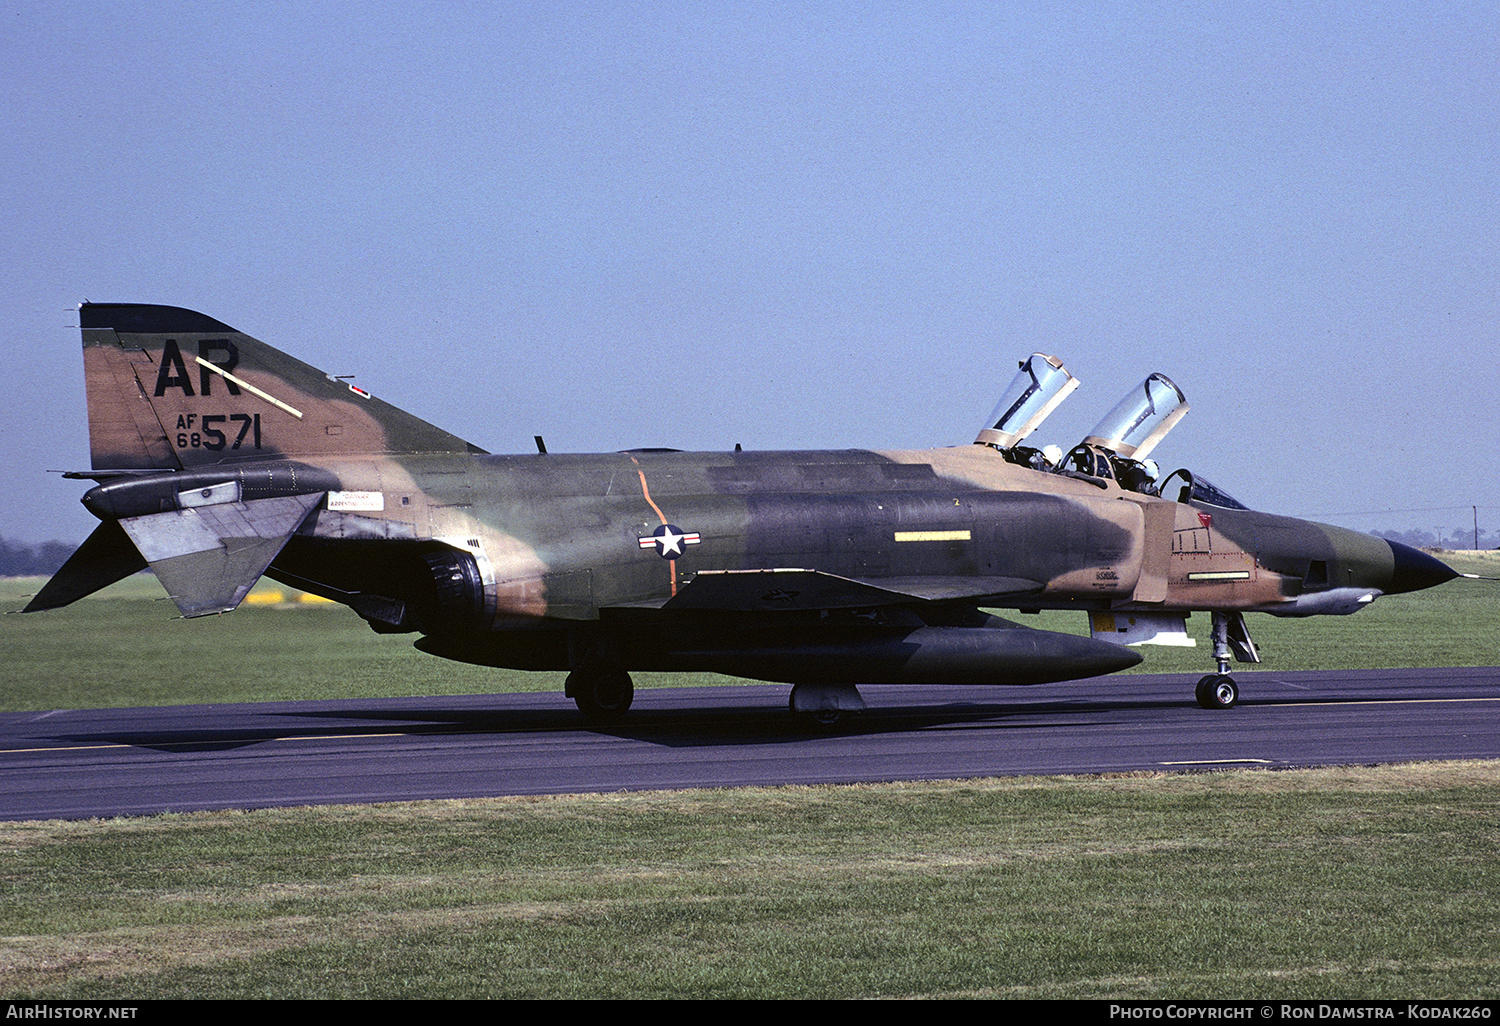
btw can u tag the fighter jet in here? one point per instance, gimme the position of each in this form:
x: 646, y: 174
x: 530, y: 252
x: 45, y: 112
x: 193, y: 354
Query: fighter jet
x: 218, y: 459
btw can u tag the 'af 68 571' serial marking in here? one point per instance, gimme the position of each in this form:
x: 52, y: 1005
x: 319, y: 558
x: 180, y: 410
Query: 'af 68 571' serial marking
x: 217, y: 431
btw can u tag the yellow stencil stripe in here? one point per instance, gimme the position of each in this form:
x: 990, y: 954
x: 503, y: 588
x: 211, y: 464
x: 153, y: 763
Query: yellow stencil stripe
x: 926, y: 536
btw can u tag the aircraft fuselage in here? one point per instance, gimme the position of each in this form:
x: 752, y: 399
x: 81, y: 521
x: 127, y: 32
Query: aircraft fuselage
x: 219, y: 458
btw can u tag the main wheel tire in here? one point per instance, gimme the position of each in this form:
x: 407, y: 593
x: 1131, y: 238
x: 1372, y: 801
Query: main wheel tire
x: 601, y: 695
x: 818, y: 721
x: 824, y: 721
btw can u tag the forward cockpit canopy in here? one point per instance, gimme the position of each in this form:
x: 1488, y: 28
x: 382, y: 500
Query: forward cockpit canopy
x: 1185, y: 486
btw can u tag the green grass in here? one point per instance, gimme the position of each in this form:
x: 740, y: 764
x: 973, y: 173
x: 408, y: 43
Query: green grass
x: 1340, y: 883
x: 128, y: 646
x: 1308, y: 884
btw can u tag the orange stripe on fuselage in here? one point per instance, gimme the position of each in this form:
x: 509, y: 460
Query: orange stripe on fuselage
x: 646, y: 492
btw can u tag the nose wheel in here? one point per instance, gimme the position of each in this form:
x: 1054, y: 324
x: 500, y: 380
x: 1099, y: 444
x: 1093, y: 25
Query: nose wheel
x: 1218, y: 691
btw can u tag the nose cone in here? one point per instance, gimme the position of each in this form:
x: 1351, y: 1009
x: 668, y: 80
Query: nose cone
x: 1415, y: 570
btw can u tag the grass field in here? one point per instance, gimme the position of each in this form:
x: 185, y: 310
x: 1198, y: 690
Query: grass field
x: 1339, y: 883
x: 1308, y: 884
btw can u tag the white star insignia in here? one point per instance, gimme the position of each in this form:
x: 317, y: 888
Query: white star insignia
x: 669, y: 540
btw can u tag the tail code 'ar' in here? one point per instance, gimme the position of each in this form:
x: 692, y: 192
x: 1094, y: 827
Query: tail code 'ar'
x: 172, y: 389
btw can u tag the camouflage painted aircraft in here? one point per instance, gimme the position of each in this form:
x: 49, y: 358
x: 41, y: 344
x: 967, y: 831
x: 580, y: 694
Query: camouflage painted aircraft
x: 219, y: 459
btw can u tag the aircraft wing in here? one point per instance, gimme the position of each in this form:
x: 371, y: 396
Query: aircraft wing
x: 762, y: 590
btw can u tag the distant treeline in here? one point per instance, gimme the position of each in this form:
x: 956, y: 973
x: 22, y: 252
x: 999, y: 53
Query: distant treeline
x: 1450, y: 538
x: 18, y: 559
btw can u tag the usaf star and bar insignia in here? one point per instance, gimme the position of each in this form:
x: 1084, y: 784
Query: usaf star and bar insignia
x: 670, y: 541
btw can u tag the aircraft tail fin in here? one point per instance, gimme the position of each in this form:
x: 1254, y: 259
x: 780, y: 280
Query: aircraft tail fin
x: 171, y: 389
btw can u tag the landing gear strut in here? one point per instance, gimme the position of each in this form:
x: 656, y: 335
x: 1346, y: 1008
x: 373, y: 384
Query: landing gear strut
x: 601, y: 694
x: 1231, y: 638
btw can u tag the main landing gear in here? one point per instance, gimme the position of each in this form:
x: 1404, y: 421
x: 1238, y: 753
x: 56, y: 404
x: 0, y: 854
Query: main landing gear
x: 602, y: 694
x: 823, y: 708
x: 1231, y: 638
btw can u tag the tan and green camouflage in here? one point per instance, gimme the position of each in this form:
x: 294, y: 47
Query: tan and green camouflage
x: 219, y: 459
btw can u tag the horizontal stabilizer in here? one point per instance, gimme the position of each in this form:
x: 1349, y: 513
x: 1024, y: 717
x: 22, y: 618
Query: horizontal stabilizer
x: 209, y: 557
x: 760, y: 590
x: 105, y: 557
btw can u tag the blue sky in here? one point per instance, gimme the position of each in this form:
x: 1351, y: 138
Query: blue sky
x: 786, y: 225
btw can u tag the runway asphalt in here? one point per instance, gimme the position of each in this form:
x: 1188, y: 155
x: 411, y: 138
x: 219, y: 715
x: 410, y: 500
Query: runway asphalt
x: 77, y: 764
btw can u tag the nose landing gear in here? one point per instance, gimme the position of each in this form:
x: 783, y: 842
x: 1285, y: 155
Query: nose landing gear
x: 1231, y: 639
